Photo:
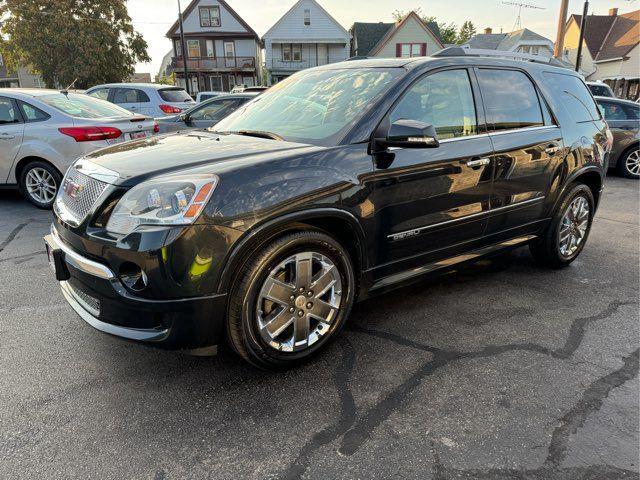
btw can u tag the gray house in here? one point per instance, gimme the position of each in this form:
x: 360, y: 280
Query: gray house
x: 222, y: 50
x: 524, y: 41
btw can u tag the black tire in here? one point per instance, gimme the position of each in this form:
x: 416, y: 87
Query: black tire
x: 546, y: 250
x: 39, y: 166
x: 242, y: 319
x: 623, y: 166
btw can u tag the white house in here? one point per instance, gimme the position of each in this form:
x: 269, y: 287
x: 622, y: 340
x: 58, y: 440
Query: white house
x: 306, y: 36
x: 525, y: 41
x: 222, y: 50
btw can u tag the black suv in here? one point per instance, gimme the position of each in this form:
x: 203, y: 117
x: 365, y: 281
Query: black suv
x: 340, y: 182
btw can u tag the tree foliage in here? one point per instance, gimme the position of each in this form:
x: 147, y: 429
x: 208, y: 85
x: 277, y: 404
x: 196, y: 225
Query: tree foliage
x: 448, y: 31
x: 89, y: 41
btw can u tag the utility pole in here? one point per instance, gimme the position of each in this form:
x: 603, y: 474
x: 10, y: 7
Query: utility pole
x: 562, y: 22
x: 184, y: 51
x: 583, y: 26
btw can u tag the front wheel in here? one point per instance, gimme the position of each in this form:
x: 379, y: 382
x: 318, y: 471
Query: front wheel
x: 39, y: 183
x: 570, y: 226
x: 291, y: 300
x: 629, y: 164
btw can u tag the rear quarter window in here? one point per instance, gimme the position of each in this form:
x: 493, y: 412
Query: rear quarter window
x: 575, y: 97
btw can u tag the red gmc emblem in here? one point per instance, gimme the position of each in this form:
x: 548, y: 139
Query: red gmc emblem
x: 71, y: 188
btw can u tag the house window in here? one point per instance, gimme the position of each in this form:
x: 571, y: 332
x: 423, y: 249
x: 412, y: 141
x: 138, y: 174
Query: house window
x: 307, y: 16
x: 210, y: 49
x: 193, y: 48
x: 209, y: 16
x: 291, y: 52
x: 178, y: 48
x: 406, y: 50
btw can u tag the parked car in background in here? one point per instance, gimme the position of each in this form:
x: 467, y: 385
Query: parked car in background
x: 154, y: 100
x: 343, y: 182
x: 600, y: 89
x: 244, y: 88
x: 206, y: 114
x: 43, y: 131
x: 202, y: 96
x: 623, y: 117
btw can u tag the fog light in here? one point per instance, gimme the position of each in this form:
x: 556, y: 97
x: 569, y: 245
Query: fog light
x: 133, y: 277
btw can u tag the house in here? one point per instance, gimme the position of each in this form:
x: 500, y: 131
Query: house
x: 222, y: 50
x: 23, y: 77
x: 166, y: 68
x: 524, y: 41
x: 410, y: 37
x: 306, y: 36
x: 140, y: 77
x: 610, y: 50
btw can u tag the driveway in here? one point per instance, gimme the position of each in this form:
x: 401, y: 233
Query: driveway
x: 499, y: 370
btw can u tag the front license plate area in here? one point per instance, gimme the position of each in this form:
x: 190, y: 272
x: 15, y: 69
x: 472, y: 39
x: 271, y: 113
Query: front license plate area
x: 57, y: 264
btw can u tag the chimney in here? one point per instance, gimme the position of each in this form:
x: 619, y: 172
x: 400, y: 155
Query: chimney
x: 613, y: 12
x: 488, y: 31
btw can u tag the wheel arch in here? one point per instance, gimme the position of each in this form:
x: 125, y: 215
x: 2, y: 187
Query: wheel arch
x: 591, y: 177
x: 633, y: 145
x: 337, y: 223
x: 24, y: 161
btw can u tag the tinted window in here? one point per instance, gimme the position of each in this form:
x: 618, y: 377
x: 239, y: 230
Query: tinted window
x: 83, y: 106
x: 101, y: 93
x: 174, y: 95
x: 216, y: 110
x: 574, y: 96
x: 600, y: 90
x: 8, y: 113
x: 33, y: 114
x: 619, y: 111
x: 445, y: 100
x: 510, y: 100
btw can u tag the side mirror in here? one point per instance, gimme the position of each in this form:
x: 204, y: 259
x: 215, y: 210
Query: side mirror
x: 184, y: 117
x: 411, y: 134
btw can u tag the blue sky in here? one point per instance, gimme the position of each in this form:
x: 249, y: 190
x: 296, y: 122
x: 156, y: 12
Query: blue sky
x: 152, y: 18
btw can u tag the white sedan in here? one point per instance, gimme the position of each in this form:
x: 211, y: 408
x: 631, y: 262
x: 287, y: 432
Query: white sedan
x: 42, y: 132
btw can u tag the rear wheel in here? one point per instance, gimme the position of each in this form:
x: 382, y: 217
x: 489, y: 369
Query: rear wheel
x: 291, y: 300
x: 567, y: 234
x: 629, y: 164
x: 39, y: 183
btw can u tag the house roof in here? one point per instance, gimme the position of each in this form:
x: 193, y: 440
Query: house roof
x: 505, y: 41
x: 367, y: 35
x: 347, y: 34
x: 389, y: 34
x: 610, y: 36
x: 226, y: 6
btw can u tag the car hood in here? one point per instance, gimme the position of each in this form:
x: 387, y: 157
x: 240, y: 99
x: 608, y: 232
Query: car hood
x: 203, y: 151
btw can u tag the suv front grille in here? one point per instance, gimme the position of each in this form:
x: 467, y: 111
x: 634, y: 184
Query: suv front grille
x: 78, y: 194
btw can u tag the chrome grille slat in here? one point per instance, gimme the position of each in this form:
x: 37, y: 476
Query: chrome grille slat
x: 90, y: 303
x: 88, y: 192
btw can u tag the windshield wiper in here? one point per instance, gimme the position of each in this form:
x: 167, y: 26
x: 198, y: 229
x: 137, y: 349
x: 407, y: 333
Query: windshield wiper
x: 258, y: 133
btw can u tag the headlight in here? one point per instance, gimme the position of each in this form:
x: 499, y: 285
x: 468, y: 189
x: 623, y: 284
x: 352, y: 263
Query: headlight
x: 172, y: 200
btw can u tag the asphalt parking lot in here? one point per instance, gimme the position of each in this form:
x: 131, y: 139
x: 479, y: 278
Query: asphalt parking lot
x: 501, y: 370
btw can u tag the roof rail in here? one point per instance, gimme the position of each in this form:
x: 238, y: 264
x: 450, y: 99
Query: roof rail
x: 478, y: 52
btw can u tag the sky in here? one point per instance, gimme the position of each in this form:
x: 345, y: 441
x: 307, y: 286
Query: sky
x: 152, y: 18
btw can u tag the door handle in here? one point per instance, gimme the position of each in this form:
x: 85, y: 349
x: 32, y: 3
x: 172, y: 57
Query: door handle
x: 477, y: 163
x: 551, y: 150
x: 6, y: 136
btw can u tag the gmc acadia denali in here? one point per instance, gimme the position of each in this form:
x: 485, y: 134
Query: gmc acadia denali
x: 340, y: 182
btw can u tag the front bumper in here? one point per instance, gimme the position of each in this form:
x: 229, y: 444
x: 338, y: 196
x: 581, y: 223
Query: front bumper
x: 97, y: 295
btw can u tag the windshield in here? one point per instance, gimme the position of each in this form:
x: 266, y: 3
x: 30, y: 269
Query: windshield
x: 314, y: 106
x: 84, y: 106
x: 600, y: 90
x: 174, y: 95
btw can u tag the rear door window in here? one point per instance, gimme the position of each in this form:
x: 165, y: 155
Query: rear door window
x: 8, y: 111
x: 125, y: 95
x: 174, y: 95
x: 510, y: 100
x: 614, y: 111
x: 572, y: 93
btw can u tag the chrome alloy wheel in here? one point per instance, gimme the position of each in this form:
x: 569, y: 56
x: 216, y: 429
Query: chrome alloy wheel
x: 632, y: 162
x: 299, y: 301
x: 41, y: 185
x: 574, y: 225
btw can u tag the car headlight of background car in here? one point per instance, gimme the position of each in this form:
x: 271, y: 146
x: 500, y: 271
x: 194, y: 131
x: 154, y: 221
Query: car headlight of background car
x: 175, y: 200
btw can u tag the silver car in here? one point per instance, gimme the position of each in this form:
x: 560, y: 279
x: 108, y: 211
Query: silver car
x: 623, y: 117
x: 154, y: 100
x: 42, y: 132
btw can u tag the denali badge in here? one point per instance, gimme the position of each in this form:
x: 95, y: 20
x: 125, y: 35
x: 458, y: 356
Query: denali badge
x: 72, y: 188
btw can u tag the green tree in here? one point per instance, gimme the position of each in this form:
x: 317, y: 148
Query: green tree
x: 448, y: 31
x: 89, y: 41
x: 467, y: 31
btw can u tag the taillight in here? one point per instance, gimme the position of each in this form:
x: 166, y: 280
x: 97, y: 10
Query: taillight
x: 156, y: 127
x: 90, y: 134
x: 169, y: 109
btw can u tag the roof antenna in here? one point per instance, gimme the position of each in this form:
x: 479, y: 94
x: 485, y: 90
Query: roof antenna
x: 66, y: 90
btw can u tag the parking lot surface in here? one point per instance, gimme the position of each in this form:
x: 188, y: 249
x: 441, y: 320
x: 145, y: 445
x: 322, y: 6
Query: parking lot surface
x: 499, y: 370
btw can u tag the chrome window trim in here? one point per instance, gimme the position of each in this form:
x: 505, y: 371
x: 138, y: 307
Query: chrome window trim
x: 501, y: 132
x: 416, y: 231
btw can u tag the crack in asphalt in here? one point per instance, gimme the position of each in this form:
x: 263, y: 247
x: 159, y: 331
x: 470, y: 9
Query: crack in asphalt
x: 356, y: 433
x: 333, y: 431
x: 591, y: 401
x: 13, y: 233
